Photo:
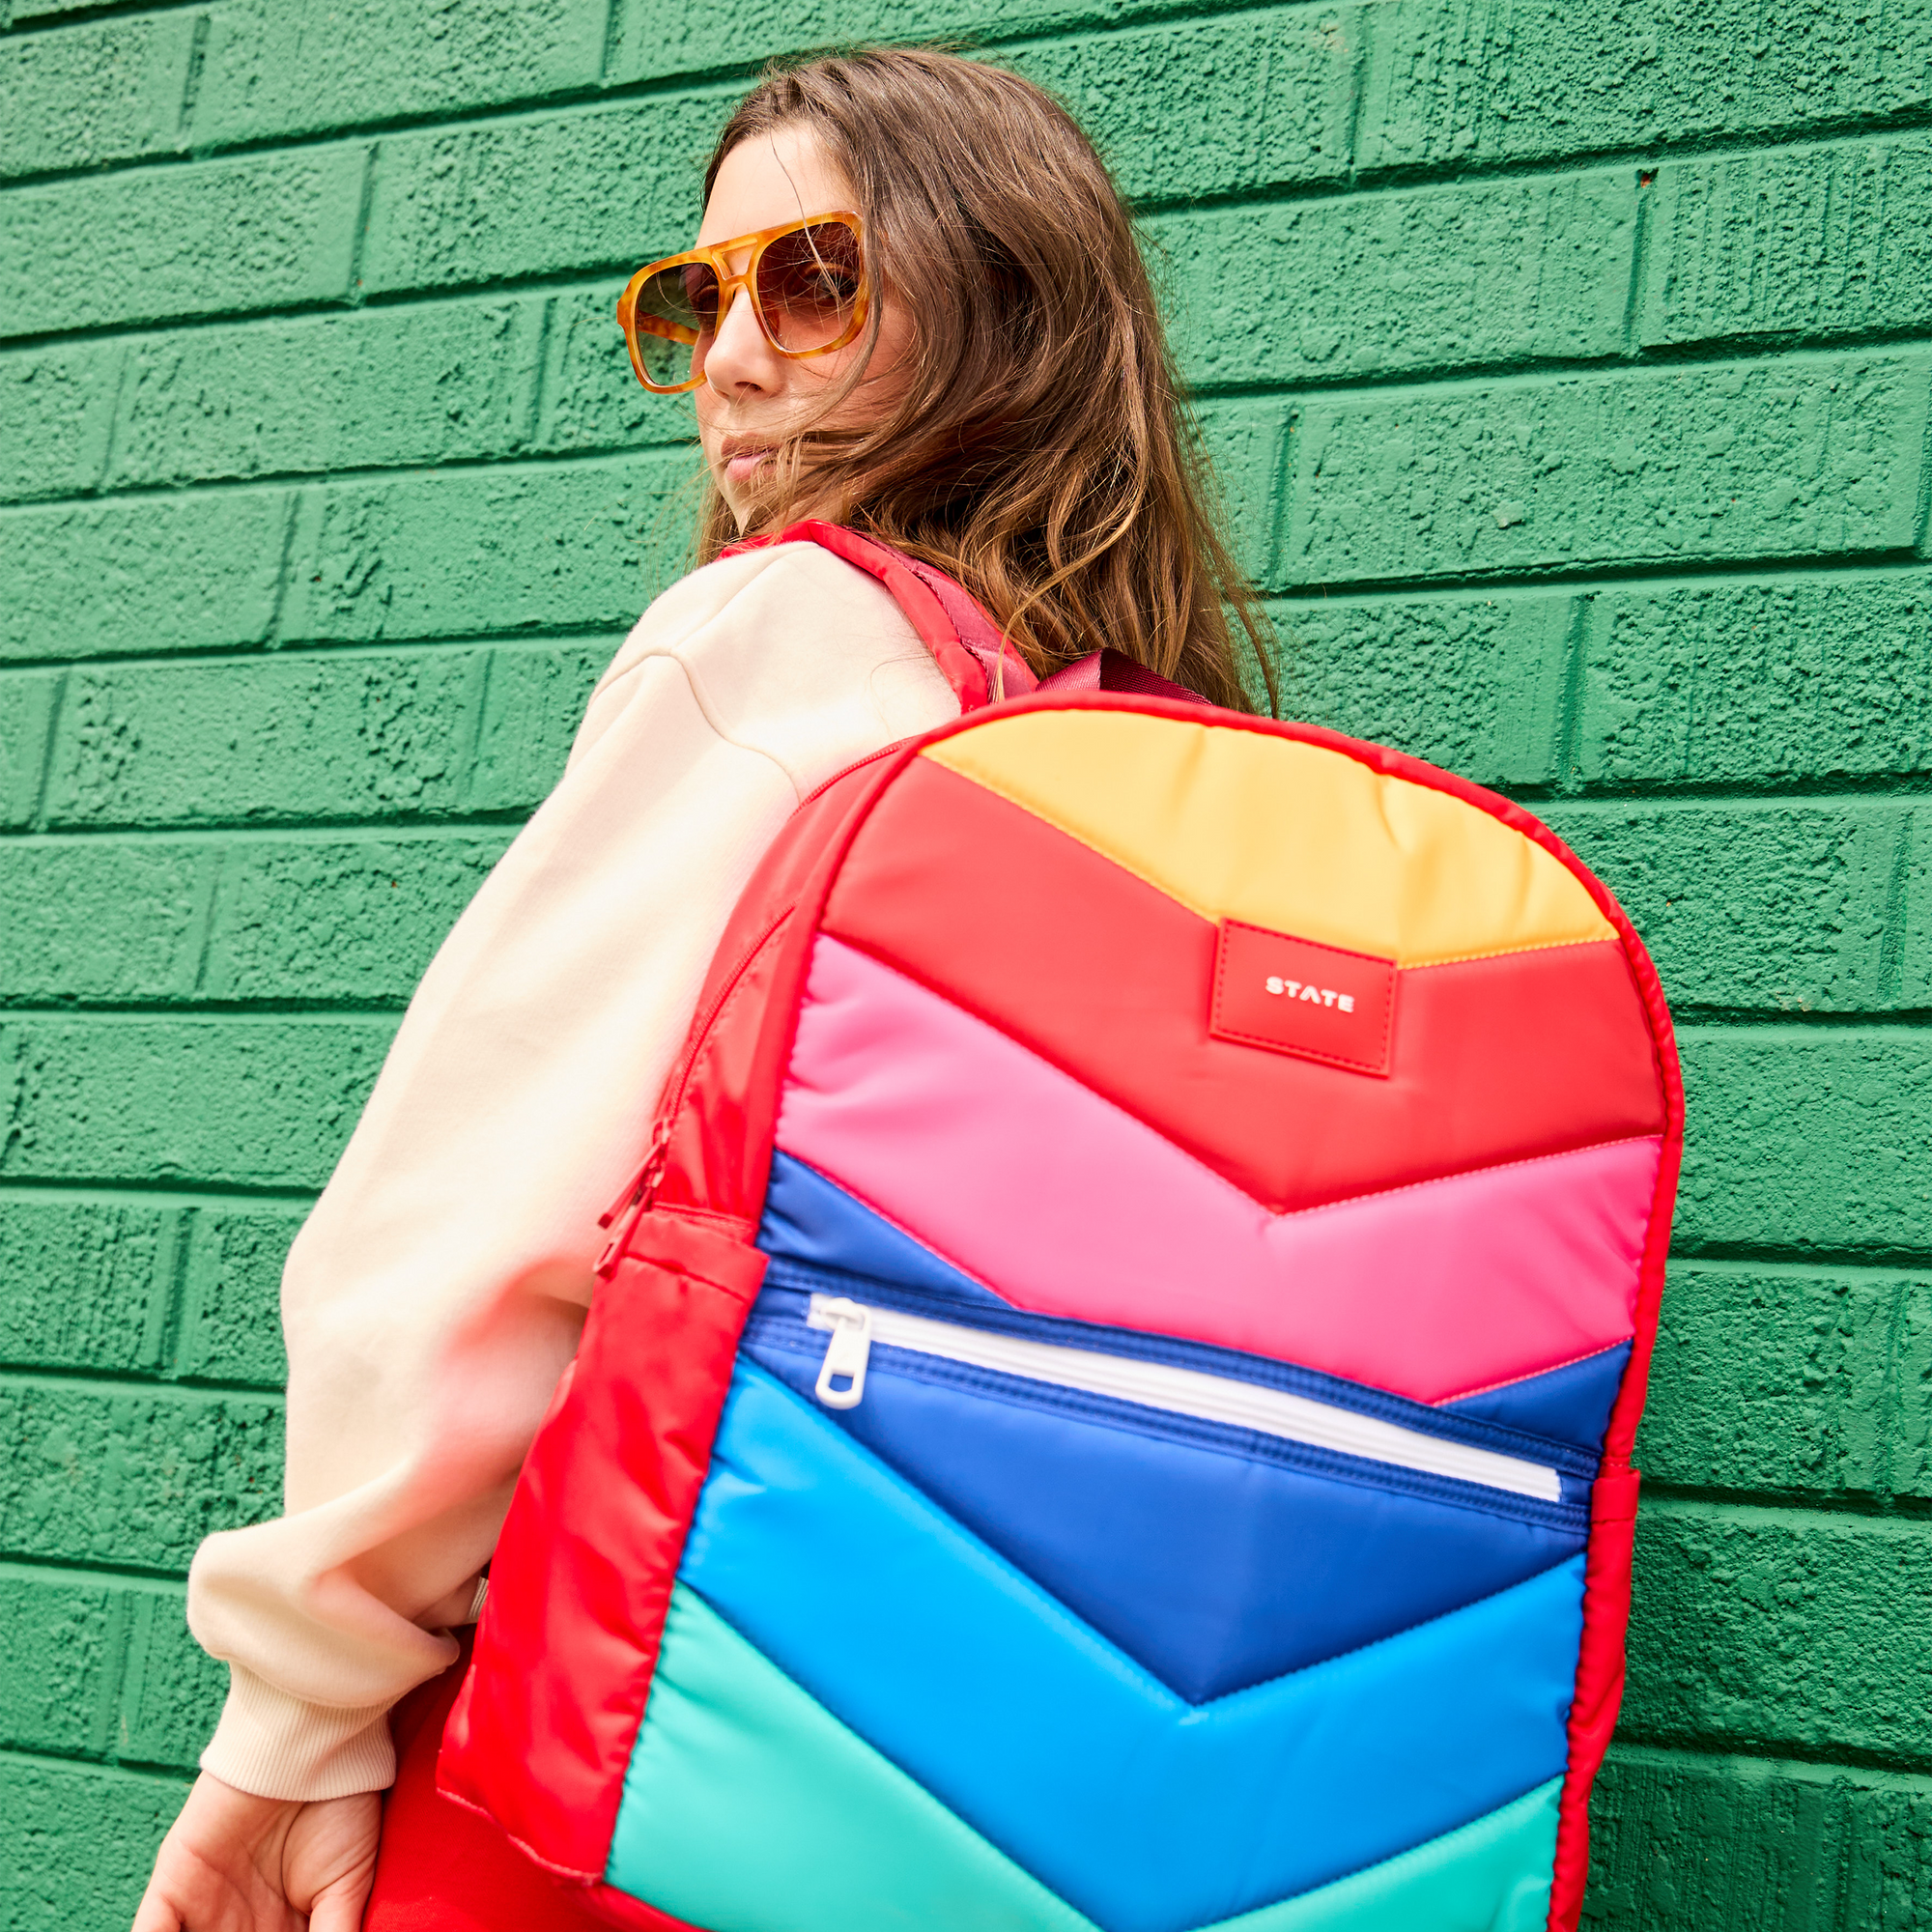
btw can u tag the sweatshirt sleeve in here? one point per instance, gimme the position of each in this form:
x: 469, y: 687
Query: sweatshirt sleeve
x: 435, y: 1294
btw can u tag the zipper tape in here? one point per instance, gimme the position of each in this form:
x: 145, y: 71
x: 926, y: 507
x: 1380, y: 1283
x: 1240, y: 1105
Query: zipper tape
x: 854, y: 1327
x: 789, y: 1285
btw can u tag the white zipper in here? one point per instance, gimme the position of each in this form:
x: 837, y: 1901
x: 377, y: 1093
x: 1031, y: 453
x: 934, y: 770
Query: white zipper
x: 856, y: 1326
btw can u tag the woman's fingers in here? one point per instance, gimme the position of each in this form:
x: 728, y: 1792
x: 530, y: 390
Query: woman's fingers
x: 234, y: 1862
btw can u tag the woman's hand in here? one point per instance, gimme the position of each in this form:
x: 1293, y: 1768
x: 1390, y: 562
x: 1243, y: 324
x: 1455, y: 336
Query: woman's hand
x: 234, y: 1862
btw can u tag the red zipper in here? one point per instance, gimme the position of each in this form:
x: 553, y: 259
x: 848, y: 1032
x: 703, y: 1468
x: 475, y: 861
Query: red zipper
x: 634, y: 1200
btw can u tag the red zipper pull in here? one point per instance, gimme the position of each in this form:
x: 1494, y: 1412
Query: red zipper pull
x: 635, y: 1201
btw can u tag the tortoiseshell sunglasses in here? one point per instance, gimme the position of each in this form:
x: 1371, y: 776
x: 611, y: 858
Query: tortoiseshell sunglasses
x: 806, y: 284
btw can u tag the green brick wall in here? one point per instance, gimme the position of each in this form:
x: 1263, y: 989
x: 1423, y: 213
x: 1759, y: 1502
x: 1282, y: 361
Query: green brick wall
x: 1571, y: 371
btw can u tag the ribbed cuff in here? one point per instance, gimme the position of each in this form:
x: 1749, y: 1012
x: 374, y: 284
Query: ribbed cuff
x: 277, y: 1747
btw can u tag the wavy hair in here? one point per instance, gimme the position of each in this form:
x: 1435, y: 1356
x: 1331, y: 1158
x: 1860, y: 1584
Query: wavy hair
x: 1041, y: 448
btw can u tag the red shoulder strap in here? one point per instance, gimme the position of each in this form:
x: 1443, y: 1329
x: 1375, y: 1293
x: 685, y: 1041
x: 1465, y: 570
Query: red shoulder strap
x: 964, y: 641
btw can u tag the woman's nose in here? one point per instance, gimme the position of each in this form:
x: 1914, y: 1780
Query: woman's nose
x: 739, y: 358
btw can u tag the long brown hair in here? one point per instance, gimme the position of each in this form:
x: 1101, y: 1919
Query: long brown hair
x: 1041, y: 449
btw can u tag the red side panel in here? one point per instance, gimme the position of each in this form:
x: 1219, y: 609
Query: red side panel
x: 1113, y: 980
x: 582, y: 1572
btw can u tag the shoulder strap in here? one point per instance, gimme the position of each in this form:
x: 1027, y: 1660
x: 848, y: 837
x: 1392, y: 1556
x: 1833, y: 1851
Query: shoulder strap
x: 964, y: 641
x: 1115, y: 670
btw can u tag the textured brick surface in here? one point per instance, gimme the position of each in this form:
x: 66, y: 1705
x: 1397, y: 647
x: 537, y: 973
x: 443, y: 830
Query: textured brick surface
x: 281, y: 67
x: 1811, y: 243
x: 1767, y: 906
x: 77, y: 1843
x: 140, y: 575
x: 1800, y: 459
x: 260, y: 233
x: 1454, y: 81
x: 1800, y: 677
x: 1685, y: 1843
x: 1474, y: 683
x: 98, y: 94
x: 1325, y: 290
x: 1567, y: 372
x: 391, y: 387
x: 1807, y: 1138
x: 264, y: 1103
x: 1757, y: 1625
x: 550, y: 546
x: 128, y: 1475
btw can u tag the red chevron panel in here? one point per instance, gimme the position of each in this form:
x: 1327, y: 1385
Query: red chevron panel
x: 1525, y: 1053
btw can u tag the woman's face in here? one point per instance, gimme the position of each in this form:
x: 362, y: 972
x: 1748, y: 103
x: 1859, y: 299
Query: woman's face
x: 752, y: 395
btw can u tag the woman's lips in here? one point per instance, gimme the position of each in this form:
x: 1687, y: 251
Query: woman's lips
x: 742, y: 464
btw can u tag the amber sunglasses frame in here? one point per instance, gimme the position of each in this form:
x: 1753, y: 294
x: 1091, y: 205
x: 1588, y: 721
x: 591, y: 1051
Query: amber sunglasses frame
x: 715, y: 258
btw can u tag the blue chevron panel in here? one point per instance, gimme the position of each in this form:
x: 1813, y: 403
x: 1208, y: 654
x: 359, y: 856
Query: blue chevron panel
x: 1146, y: 1812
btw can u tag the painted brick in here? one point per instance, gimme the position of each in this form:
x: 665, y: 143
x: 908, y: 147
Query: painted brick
x: 130, y: 1476
x: 1453, y: 82
x: 1474, y: 683
x: 1809, y: 458
x: 94, y: 94
x: 1783, y: 1629
x: 141, y: 575
x: 1257, y: 101
x: 172, y: 1690
x: 354, y: 922
x: 546, y: 547
x: 607, y: 187
x: 264, y: 232
x: 1782, y: 907
x: 266, y: 1103
x: 1683, y: 1843
x: 60, y: 1645
x: 1806, y: 244
x: 26, y: 711
x: 590, y: 398
x: 1771, y: 1380
x: 292, y: 737
x: 281, y: 67
x: 1744, y: 681
x: 231, y: 1325
x: 1805, y: 1138
x: 535, y: 700
x: 56, y: 408
x: 142, y: 939
x: 1331, y: 290
x: 85, y: 1284
x: 441, y: 384
x: 77, y: 1843
x: 1909, y: 1424
x: 1246, y: 443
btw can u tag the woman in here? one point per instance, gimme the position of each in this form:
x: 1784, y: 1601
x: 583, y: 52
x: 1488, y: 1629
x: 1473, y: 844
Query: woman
x: 972, y: 369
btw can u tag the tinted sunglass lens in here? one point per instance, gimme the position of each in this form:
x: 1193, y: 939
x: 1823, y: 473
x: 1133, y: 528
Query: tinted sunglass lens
x: 677, y: 309
x: 807, y: 283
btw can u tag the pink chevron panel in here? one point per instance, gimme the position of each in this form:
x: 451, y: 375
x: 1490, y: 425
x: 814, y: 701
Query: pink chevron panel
x: 1066, y: 1205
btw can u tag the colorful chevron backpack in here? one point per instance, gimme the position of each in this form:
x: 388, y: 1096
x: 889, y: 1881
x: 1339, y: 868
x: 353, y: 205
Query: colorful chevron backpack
x: 1110, y: 1399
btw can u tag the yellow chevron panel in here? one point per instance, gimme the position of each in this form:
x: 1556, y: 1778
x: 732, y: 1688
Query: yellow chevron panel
x: 1237, y: 824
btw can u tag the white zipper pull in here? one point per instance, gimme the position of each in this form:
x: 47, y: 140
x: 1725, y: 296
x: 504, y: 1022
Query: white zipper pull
x: 846, y: 1353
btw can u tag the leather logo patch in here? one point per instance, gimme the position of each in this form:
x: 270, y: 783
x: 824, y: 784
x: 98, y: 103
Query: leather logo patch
x: 1296, y: 997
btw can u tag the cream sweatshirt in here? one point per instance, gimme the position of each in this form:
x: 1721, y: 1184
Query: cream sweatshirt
x: 437, y: 1292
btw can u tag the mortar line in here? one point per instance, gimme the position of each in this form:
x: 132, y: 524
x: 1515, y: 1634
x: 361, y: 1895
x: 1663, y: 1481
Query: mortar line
x: 1824, y: 1770
x: 1569, y: 713
x: 178, y: 1394
x: 1639, y: 270
x: 540, y: 381
x: 132, y: 1773
x: 360, y: 240
x: 56, y: 705
x: 273, y: 639
x: 124, y: 376
x: 613, y: 35
x: 108, y: 1707
x: 198, y: 55
x: 159, y: 1193
x: 186, y: 1222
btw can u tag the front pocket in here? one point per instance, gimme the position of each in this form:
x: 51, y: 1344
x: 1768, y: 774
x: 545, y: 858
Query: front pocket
x: 1218, y: 1531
